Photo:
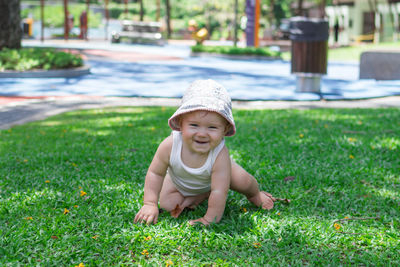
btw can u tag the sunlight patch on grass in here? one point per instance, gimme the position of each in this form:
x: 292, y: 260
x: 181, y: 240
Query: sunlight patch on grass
x: 51, y: 123
x: 389, y: 143
x: 117, y: 187
x: 21, y: 199
x: 104, y: 132
x: 388, y: 193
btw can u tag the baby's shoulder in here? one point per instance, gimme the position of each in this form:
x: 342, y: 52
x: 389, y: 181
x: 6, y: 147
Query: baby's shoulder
x: 165, y: 146
x: 167, y: 142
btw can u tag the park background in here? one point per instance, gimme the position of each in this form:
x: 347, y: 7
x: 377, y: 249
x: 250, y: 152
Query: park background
x: 357, y: 20
x: 71, y: 184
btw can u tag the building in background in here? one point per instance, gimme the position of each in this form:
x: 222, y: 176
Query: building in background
x: 364, y: 21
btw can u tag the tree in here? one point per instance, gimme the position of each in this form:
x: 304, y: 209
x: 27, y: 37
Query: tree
x: 158, y: 10
x: 141, y: 12
x: 235, y: 24
x: 299, y: 10
x: 168, y: 18
x: 10, y: 24
x: 322, y: 6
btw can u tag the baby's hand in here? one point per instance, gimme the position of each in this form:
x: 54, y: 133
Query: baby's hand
x: 148, y: 213
x: 201, y: 220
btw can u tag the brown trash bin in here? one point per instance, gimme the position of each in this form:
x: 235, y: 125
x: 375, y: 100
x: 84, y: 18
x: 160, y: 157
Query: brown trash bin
x: 309, y: 50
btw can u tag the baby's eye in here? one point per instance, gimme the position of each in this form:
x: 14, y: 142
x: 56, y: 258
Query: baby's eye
x: 212, y: 127
x: 193, y: 125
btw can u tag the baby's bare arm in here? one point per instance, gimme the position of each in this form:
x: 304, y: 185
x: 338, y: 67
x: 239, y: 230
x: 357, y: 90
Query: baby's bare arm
x: 153, y: 183
x: 220, y: 182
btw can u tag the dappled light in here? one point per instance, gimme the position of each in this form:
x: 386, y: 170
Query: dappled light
x: 76, y: 180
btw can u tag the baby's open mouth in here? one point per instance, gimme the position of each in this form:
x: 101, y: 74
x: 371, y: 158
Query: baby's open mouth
x: 201, y: 142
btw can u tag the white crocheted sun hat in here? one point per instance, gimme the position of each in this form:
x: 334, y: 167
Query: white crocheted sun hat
x: 205, y: 95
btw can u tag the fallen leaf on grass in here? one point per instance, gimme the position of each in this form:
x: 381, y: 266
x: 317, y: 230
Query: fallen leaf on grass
x: 337, y: 226
x: 345, y: 219
x: 256, y: 245
x: 145, y: 252
x: 289, y: 178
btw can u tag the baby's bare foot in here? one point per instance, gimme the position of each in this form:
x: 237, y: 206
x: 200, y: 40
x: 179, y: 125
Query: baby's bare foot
x: 177, y: 211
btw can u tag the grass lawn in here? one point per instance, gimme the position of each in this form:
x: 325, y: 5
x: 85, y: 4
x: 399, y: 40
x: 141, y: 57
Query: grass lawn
x: 353, y: 53
x: 70, y: 187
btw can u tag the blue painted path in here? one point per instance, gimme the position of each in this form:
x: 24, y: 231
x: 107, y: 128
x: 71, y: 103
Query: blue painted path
x: 244, y: 79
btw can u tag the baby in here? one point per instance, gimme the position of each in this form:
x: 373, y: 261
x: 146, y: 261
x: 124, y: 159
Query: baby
x: 193, y: 163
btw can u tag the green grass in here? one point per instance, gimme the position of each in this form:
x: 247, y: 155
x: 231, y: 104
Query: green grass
x: 345, y: 163
x: 353, y: 53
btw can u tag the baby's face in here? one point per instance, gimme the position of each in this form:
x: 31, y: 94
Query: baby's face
x: 202, y: 130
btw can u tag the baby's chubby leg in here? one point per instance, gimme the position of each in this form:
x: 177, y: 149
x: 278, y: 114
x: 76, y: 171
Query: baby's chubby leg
x: 173, y: 201
x: 247, y: 185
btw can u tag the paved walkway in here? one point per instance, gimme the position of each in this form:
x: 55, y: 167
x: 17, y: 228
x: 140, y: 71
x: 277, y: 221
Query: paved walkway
x: 142, y: 72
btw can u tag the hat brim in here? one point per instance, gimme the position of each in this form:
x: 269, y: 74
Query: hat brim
x: 193, y: 105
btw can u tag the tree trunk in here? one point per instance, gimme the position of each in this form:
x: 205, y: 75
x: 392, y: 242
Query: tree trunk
x: 158, y: 11
x: 299, y: 11
x: 87, y: 19
x: 10, y: 24
x: 66, y: 26
x: 126, y: 7
x: 168, y: 18
x: 235, y: 24
x: 107, y: 13
x: 42, y: 20
x: 271, y: 13
x: 141, y: 10
x: 322, y: 7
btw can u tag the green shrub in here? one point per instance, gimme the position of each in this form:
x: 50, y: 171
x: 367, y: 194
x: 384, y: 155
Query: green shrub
x: 231, y: 50
x: 37, y: 58
x: 118, y: 12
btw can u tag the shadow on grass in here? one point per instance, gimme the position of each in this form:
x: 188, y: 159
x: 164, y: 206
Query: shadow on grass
x: 343, y: 161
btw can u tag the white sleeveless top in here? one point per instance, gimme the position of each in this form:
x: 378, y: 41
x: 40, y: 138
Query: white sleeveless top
x: 190, y: 181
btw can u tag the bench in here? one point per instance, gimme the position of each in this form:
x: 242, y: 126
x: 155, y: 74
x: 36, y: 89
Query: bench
x: 139, y: 32
x: 364, y: 38
x: 380, y: 65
